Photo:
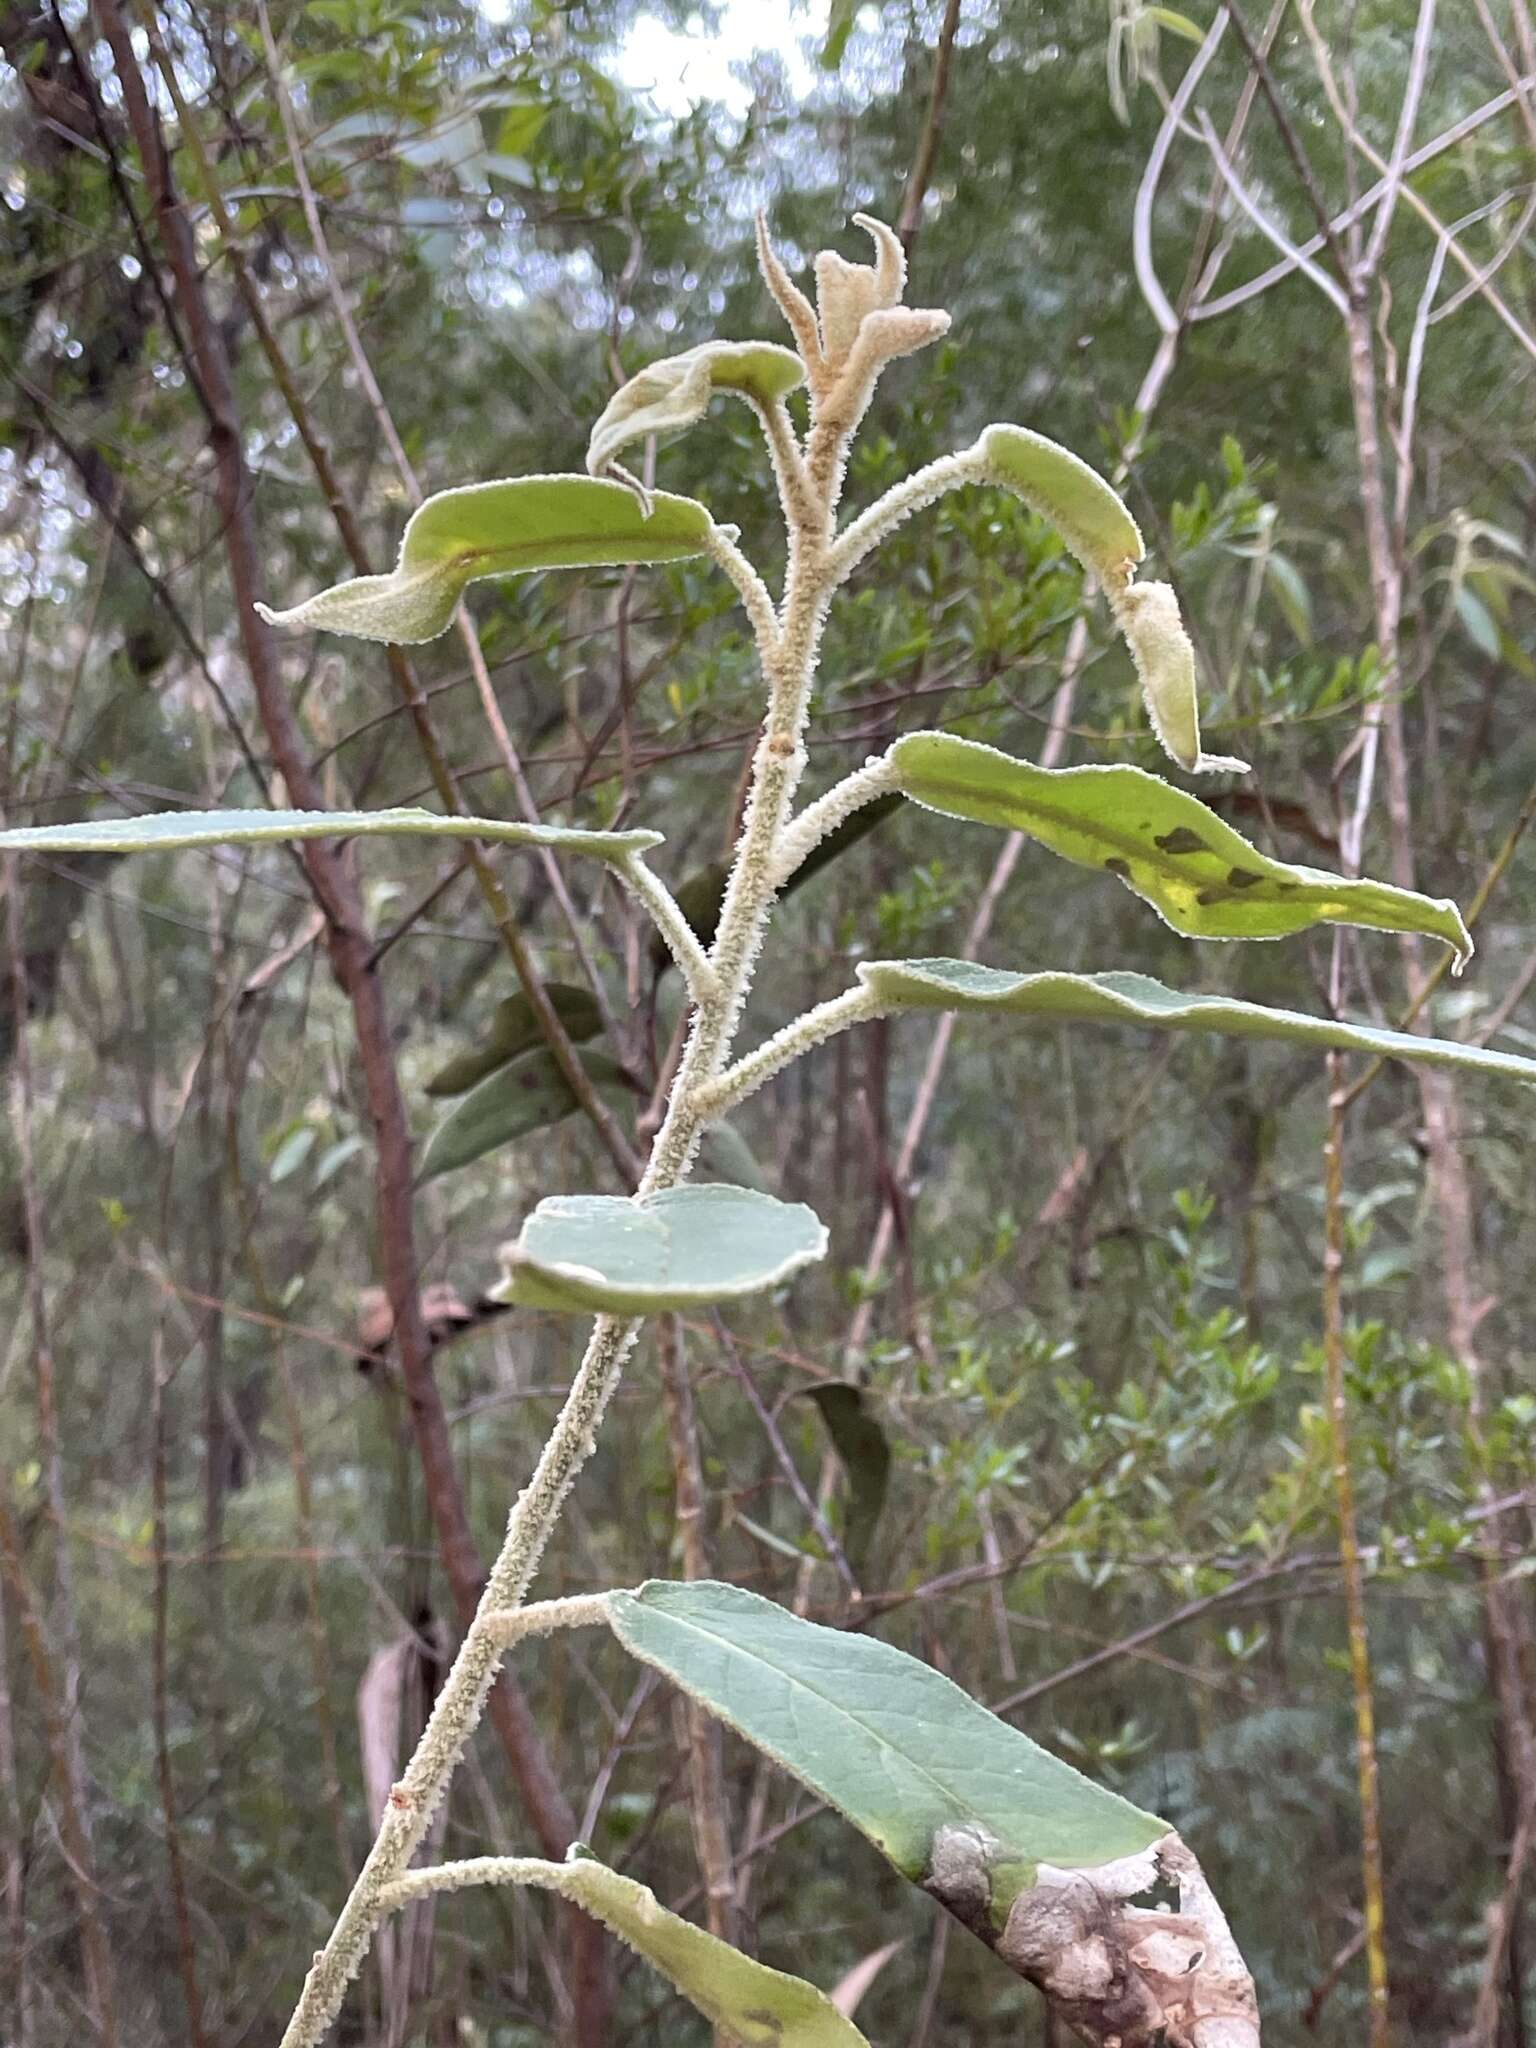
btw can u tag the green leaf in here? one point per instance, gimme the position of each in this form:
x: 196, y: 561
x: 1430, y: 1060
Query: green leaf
x: 1137, y: 999
x: 684, y: 1248
x: 667, y: 397
x: 499, y: 529
x: 166, y: 831
x: 861, y: 1444
x: 1062, y: 488
x: 513, y: 1029
x: 1199, y: 875
x: 759, y: 2007
x: 1176, y: 24
x: 526, y: 1094
x: 841, y: 17
x: 890, y: 1742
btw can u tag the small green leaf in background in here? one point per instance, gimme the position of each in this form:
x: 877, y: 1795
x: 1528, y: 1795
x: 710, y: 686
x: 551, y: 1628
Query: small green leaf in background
x: 168, y: 831
x: 759, y: 2007
x: 841, y: 17
x: 1199, y: 875
x: 524, y: 1095
x: 683, y: 1248
x: 1061, y: 487
x: 668, y: 397
x: 861, y: 1444
x: 1137, y: 999
x: 887, y: 1740
x: 514, y: 1028
x: 499, y: 529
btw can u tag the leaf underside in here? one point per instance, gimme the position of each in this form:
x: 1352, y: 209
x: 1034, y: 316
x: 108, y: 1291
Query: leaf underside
x: 683, y: 1248
x: 500, y: 529
x: 668, y: 397
x: 1201, y: 876
x: 166, y: 831
x: 757, y: 2006
x: 1137, y: 999
x: 887, y: 1740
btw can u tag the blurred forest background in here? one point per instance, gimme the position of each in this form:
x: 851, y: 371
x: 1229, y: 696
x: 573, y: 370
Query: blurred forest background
x: 1055, y: 1415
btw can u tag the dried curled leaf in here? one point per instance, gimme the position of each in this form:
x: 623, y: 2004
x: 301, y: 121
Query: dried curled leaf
x: 667, y: 397
x: 499, y: 529
x: 1148, y: 616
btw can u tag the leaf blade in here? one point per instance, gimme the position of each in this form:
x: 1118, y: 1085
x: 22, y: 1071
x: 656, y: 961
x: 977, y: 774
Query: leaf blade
x: 508, y: 528
x: 686, y: 1247
x: 1085, y: 510
x: 172, y: 831
x: 1117, y: 998
x: 1200, y: 876
x: 839, y: 1710
x: 667, y: 397
x: 759, y: 2006
x: 525, y: 1094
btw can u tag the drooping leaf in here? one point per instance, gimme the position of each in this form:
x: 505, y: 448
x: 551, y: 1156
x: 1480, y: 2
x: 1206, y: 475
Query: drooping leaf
x: 683, y: 1248
x: 526, y: 1094
x: 667, y: 397
x: 1064, y: 489
x: 499, y: 529
x: 513, y: 1029
x: 904, y: 1753
x: 1203, y: 878
x: 861, y: 1444
x: 759, y: 2007
x: 166, y: 831
x: 1148, y: 615
x: 1137, y: 999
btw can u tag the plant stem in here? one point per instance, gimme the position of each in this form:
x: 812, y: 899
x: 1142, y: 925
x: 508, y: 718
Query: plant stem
x: 788, y: 660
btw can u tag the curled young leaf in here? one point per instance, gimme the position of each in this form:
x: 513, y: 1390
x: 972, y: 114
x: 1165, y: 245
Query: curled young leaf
x: 963, y: 985
x: 499, y: 529
x: 1198, y: 874
x: 686, y: 1247
x: 1064, y: 489
x: 1148, y: 616
x: 847, y: 292
x: 667, y: 397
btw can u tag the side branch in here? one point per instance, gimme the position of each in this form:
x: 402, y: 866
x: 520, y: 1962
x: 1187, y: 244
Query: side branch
x: 666, y: 914
x: 718, y: 1097
x: 750, y: 587
x: 839, y: 803
x: 887, y: 513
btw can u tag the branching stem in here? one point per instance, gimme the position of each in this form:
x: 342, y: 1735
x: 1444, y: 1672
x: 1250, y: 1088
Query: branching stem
x: 787, y: 645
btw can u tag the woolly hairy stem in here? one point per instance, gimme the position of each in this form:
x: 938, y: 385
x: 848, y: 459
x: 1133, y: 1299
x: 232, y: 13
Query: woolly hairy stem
x: 788, y: 657
x: 914, y: 492
x: 666, y: 914
x: 840, y: 802
x: 855, y: 1006
x: 473, y: 1870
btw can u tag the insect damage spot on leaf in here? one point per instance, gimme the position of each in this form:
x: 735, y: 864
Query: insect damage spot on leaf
x: 1182, y: 840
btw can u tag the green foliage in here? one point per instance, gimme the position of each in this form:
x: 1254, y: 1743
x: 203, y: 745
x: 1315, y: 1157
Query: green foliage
x: 908, y: 1757
x: 681, y: 1248
x: 1137, y: 999
x: 1200, y: 876
x: 499, y: 529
